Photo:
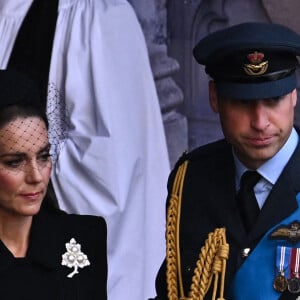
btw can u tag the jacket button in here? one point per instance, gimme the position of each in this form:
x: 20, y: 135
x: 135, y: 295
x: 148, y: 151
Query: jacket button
x: 188, y: 269
x: 245, y: 252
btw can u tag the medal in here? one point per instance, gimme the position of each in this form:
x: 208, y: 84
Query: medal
x: 280, y: 283
x: 294, y: 285
x: 294, y: 281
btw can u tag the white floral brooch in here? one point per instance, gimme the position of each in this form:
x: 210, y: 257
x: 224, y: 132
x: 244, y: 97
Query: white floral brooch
x: 74, y: 258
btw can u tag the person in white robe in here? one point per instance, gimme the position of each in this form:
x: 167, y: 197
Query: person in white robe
x: 112, y: 157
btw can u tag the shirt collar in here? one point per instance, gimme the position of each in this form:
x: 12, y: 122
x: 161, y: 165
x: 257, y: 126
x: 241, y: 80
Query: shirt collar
x: 272, y: 168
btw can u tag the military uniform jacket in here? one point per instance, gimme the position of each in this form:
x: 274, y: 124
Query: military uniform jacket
x: 41, y: 275
x: 209, y: 202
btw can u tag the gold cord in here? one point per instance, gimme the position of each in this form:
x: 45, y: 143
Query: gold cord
x: 172, y: 235
x: 212, y: 256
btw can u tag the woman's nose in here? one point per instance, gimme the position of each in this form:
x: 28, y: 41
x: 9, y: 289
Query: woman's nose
x: 33, y: 172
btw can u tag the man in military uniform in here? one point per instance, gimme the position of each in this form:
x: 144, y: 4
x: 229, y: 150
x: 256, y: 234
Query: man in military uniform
x: 232, y: 223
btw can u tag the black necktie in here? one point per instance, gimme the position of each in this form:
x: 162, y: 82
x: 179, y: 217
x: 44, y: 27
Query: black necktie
x: 247, y: 202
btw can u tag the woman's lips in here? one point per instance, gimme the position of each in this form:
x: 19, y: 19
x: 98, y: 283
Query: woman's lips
x: 31, y: 196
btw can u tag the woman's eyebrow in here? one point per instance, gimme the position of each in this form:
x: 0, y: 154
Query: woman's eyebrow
x: 23, y: 154
x: 13, y: 154
x: 45, y: 148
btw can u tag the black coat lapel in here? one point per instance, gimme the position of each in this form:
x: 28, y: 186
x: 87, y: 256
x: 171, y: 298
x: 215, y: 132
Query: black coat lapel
x: 45, y: 247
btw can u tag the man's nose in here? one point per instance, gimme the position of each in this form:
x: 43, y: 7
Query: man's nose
x: 260, y: 116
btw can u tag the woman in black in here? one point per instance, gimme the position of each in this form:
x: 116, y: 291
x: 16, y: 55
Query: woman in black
x: 45, y: 253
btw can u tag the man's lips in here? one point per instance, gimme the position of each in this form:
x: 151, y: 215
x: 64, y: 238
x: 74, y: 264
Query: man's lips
x: 260, y: 141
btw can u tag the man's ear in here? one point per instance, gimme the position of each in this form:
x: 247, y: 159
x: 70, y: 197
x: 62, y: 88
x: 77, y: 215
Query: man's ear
x: 294, y: 97
x: 213, y: 97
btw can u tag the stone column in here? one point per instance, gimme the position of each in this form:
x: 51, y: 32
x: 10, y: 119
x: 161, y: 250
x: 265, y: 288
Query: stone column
x: 152, y: 15
x: 189, y: 21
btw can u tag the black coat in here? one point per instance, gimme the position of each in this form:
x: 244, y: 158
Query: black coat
x: 41, y: 276
x: 209, y: 201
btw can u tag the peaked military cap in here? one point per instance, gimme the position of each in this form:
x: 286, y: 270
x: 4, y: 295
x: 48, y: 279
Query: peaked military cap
x: 251, y: 60
x: 16, y: 88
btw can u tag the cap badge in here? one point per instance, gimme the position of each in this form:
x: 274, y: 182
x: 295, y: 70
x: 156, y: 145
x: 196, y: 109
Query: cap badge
x: 289, y: 232
x: 257, y: 66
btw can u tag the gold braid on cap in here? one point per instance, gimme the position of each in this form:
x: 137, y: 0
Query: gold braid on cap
x: 212, y: 257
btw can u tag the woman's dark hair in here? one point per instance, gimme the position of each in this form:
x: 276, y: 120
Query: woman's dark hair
x: 21, y: 110
x: 20, y: 98
x: 26, y: 110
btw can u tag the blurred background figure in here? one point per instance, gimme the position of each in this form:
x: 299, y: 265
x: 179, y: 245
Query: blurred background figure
x: 91, y: 62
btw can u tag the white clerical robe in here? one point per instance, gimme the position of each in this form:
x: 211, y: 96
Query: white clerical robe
x: 112, y: 158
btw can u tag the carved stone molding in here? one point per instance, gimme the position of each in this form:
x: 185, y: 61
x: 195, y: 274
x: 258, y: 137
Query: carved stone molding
x: 152, y: 15
x: 284, y: 12
x: 190, y: 21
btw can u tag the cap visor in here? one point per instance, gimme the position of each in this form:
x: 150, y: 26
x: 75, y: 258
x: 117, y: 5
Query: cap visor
x: 261, y: 90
